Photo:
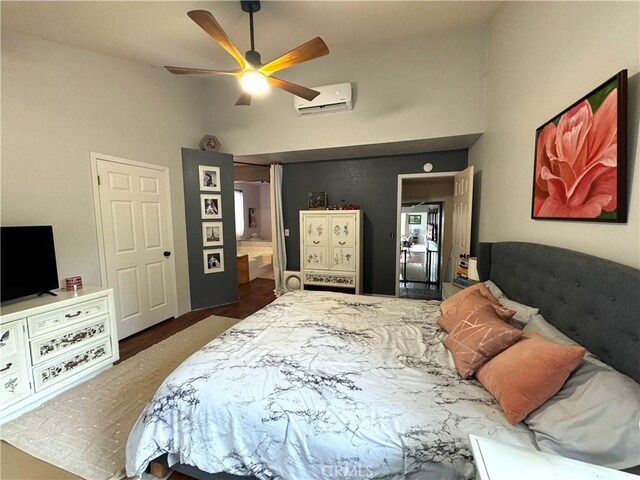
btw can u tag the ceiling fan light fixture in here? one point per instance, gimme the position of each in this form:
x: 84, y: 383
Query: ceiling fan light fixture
x: 254, y: 82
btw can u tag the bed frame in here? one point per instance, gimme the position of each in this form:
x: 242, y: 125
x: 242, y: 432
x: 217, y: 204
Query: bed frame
x: 593, y: 301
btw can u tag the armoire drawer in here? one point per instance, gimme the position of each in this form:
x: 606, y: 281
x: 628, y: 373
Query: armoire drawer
x: 49, y: 321
x: 330, y: 279
x: 71, y: 363
x: 49, y: 346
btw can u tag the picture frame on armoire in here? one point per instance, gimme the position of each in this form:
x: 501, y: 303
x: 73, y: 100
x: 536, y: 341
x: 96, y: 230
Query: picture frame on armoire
x: 580, y: 166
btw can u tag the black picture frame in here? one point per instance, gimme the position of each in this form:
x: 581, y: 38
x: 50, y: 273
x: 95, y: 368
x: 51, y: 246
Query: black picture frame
x: 317, y: 201
x: 585, y: 182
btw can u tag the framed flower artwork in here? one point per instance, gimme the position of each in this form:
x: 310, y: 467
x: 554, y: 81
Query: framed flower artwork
x: 580, y: 168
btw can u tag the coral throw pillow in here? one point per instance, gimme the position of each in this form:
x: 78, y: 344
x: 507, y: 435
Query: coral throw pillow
x: 468, y: 304
x: 529, y: 373
x: 478, y: 338
x: 464, y: 293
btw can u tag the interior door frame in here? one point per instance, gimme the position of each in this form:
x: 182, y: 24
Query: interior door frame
x: 401, y: 178
x: 102, y: 258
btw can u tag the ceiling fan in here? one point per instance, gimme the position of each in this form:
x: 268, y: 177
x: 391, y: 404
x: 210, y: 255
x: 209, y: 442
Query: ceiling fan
x: 254, y: 76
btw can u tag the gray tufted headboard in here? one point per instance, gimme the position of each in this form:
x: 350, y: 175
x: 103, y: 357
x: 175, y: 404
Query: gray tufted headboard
x: 594, y: 301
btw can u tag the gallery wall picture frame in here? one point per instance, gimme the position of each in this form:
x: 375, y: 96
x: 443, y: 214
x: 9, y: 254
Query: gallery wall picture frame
x: 212, y: 234
x: 209, y: 178
x: 317, y: 201
x: 253, y: 218
x: 213, y: 260
x: 210, y: 206
x: 415, y: 219
x: 580, y: 162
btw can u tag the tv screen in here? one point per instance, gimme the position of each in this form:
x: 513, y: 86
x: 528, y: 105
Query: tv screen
x: 27, y: 261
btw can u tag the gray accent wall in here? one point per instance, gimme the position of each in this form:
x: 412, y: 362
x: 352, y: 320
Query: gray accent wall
x: 371, y: 183
x: 209, y: 290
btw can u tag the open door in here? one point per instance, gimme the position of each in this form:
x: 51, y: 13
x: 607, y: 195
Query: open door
x: 462, y: 204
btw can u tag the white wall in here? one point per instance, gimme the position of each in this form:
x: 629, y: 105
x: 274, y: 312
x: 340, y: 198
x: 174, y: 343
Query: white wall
x: 543, y: 56
x: 60, y: 103
x: 429, y: 87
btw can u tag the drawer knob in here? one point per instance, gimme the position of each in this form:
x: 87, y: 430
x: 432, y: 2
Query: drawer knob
x: 342, y: 243
x: 7, y: 367
x: 68, y: 315
x: 316, y: 242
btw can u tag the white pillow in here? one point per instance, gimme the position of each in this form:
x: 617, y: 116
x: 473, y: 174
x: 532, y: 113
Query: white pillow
x: 524, y: 313
x: 594, y: 417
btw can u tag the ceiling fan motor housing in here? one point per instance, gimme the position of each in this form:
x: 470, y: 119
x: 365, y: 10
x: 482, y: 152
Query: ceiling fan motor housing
x: 253, y: 58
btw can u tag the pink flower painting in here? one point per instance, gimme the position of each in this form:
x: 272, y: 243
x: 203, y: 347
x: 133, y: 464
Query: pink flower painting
x: 577, y: 163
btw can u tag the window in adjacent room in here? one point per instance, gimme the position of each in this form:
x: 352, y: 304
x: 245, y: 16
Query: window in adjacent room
x: 239, y: 199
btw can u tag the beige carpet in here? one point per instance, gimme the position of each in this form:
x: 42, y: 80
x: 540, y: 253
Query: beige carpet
x: 84, y: 430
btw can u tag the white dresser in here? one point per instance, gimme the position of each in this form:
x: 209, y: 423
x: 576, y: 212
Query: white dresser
x: 331, y: 248
x: 51, y: 343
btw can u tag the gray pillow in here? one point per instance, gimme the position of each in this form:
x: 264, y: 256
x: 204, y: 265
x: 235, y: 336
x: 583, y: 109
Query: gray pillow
x: 524, y: 313
x: 595, y: 417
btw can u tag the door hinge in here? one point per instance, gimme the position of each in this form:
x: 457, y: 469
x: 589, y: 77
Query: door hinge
x: 98, y: 180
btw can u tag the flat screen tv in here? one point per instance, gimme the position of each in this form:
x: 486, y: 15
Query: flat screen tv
x: 27, y: 261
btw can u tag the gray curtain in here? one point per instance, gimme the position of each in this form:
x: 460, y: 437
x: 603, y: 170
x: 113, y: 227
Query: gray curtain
x: 277, y: 227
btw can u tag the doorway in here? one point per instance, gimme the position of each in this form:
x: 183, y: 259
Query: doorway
x: 445, y: 225
x: 135, y: 240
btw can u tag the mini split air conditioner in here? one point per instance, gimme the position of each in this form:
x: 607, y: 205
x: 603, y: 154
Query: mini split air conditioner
x: 332, y: 98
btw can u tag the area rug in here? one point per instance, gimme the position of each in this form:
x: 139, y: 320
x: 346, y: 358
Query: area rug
x: 84, y: 430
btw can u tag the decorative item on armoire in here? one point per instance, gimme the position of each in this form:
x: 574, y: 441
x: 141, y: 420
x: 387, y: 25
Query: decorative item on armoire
x: 581, y: 158
x: 317, y: 201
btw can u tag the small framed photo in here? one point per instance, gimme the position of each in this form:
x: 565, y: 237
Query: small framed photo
x: 211, y: 206
x: 415, y: 219
x: 211, y: 234
x: 317, y: 201
x: 209, y: 178
x: 213, y: 260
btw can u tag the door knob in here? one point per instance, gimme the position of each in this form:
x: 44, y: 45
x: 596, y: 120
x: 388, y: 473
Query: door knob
x: 167, y: 254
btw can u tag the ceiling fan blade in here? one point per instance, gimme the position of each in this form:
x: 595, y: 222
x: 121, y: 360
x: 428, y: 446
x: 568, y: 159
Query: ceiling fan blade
x: 299, y: 90
x: 307, y: 51
x: 201, y: 71
x: 244, y: 100
x: 209, y: 24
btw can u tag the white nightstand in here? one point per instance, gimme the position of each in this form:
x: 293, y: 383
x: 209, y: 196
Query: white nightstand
x: 499, y: 461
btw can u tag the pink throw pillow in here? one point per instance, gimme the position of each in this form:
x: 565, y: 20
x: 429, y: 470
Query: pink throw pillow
x: 468, y: 304
x: 529, y: 373
x: 478, y: 338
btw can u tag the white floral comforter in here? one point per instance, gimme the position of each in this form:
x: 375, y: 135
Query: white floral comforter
x: 323, y: 385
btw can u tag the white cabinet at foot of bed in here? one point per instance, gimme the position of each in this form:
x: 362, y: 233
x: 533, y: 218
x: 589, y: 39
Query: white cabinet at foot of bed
x: 331, y: 248
x: 48, y: 344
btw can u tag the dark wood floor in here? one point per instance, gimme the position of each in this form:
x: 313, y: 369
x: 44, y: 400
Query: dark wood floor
x: 253, y: 296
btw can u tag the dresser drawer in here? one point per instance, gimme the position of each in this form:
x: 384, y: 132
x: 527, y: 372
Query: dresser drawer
x: 55, y: 343
x: 49, y: 321
x: 71, y: 363
x: 10, y: 338
x: 330, y: 279
x: 14, y: 385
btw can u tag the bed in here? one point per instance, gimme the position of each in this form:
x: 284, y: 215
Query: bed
x: 328, y: 385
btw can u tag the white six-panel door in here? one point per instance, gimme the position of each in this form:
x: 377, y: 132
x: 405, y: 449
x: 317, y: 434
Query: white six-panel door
x: 134, y: 206
x: 462, y: 203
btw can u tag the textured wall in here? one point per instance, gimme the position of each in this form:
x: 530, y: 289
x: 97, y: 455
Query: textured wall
x: 371, y: 183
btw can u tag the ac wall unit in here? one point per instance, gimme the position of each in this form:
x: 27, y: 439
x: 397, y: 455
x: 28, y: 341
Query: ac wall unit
x: 332, y: 98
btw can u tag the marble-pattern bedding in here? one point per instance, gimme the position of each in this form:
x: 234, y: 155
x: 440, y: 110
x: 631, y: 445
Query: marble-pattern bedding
x: 323, y: 385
